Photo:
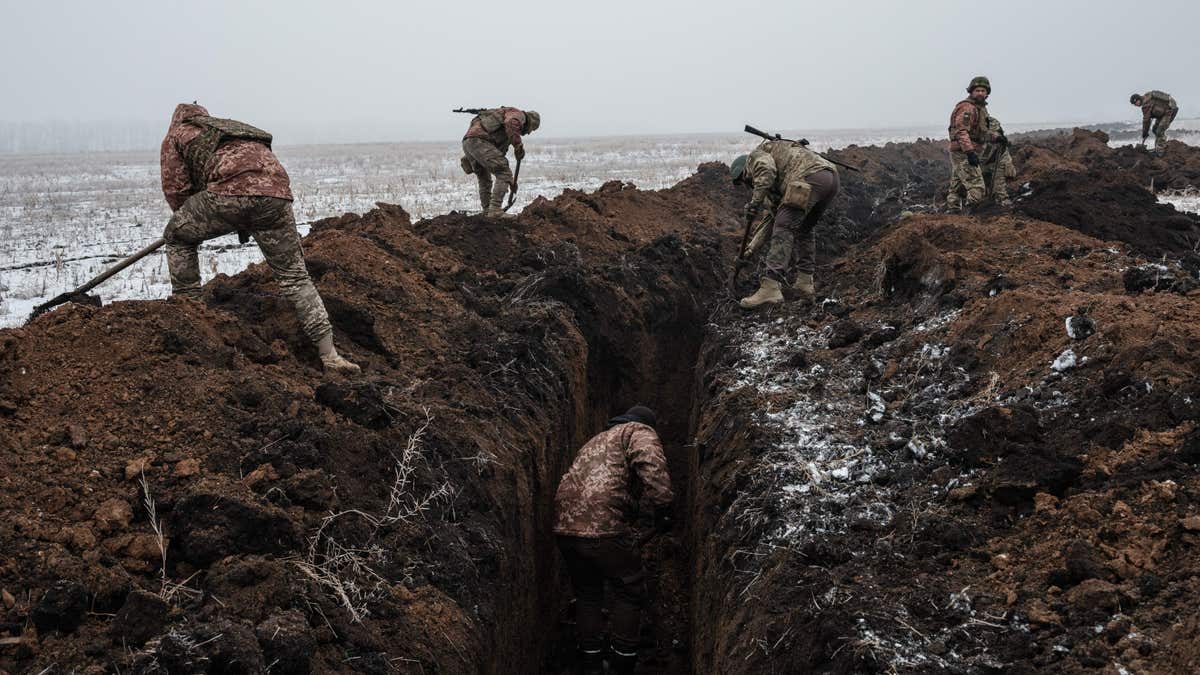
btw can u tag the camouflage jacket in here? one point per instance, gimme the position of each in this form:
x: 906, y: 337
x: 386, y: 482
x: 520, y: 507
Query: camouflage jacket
x: 968, y: 126
x: 1156, y: 104
x: 598, y: 496
x: 240, y: 167
x: 501, y: 126
x: 992, y: 151
x: 773, y: 164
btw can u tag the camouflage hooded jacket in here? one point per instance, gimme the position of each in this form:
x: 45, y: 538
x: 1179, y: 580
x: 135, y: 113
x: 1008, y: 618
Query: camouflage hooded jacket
x: 507, y: 124
x: 598, y: 496
x: 774, y: 164
x: 240, y: 167
x: 968, y: 126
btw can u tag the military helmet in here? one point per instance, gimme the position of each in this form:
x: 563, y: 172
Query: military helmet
x: 980, y: 81
x: 532, y: 121
x: 738, y: 167
x: 1135, y: 99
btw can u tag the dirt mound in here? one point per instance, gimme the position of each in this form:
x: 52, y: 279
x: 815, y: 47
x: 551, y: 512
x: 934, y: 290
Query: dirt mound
x: 397, y: 522
x: 986, y: 430
x: 992, y: 478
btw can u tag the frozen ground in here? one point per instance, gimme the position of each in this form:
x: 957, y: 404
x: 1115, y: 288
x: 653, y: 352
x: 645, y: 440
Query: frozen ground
x: 65, y: 218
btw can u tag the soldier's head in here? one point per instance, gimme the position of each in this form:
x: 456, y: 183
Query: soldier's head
x: 980, y: 88
x: 642, y: 414
x: 532, y: 122
x: 1136, y: 99
x: 737, y: 170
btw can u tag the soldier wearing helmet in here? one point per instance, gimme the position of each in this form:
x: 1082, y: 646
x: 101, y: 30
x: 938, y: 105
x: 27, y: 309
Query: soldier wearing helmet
x: 997, y: 164
x: 968, y: 134
x: 1159, y: 108
x: 485, y: 145
x: 792, y: 187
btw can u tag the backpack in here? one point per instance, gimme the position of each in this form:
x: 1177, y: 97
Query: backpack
x: 199, y: 151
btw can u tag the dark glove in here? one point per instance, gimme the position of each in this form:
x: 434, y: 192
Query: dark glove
x: 973, y: 158
x: 662, y: 519
x: 751, y: 212
x: 1002, y: 139
x: 519, y: 152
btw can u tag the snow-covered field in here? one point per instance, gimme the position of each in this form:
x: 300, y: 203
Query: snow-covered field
x: 66, y: 218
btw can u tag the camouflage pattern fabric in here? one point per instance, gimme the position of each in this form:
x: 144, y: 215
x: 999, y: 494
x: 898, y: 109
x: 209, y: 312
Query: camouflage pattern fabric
x: 1161, y: 125
x: 773, y: 165
x: 488, y: 161
x: 793, y: 248
x: 968, y: 126
x: 200, y: 152
x: 239, y: 167
x: 592, y: 563
x: 964, y: 178
x: 500, y: 126
x: 598, y: 496
x: 271, y: 222
x: 996, y: 164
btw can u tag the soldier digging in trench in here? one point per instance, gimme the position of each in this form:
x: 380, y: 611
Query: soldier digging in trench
x: 968, y: 134
x: 595, y: 507
x: 220, y: 176
x: 485, y: 145
x: 1160, y: 108
x: 792, y: 185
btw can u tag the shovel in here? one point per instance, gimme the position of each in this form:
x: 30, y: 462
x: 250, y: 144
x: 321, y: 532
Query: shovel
x: 80, y: 292
x: 512, y: 195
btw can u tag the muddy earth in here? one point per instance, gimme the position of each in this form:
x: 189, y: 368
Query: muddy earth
x: 976, y: 452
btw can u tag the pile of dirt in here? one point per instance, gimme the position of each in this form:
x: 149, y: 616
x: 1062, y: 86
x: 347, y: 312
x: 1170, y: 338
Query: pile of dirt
x: 976, y: 449
x: 393, y: 522
x: 974, y: 456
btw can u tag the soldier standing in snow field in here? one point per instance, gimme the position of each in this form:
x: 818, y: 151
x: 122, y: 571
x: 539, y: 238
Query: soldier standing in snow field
x: 1160, y: 108
x: 595, y: 507
x: 968, y: 133
x: 485, y: 144
x: 220, y: 176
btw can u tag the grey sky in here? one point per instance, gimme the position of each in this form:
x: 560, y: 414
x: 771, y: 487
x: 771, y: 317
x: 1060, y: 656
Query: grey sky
x: 356, y: 70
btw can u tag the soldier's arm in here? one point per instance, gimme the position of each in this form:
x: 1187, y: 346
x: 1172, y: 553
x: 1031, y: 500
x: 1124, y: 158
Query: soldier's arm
x: 762, y: 173
x: 960, y: 129
x: 645, y: 454
x: 514, y: 122
x: 1147, y: 107
x: 176, y: 184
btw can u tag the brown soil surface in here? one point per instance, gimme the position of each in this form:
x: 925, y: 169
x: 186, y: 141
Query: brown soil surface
x: 894, y: 479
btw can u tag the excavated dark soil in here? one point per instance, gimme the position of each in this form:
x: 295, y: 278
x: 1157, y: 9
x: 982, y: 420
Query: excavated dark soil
x: 892, y: 480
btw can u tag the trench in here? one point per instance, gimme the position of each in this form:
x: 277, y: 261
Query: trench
x: 654, y: 366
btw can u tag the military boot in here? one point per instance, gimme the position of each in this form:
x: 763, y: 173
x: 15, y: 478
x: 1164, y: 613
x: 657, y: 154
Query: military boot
x: 495, y: 207
x: 334, y: 362
x: 591, y: 661
x: 803, y: 288
x: 768, y: 293
x: 622, y: 663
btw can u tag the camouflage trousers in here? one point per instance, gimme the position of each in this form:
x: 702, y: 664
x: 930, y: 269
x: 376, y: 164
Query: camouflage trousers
x: 793, y: 249
x: 964, y: 178
x: 487, y: 160
x: 1161, y: 124
x: 270, y: 221
x: 996, y: 175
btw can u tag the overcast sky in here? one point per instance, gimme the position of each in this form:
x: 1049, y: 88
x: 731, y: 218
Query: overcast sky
x: 356, y: 70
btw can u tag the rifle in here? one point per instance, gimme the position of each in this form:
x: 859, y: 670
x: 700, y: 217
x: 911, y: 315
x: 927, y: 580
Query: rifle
x: 470, y: 111
x: 82, y: 290
x: 803, y: 141
x: 512, y: 195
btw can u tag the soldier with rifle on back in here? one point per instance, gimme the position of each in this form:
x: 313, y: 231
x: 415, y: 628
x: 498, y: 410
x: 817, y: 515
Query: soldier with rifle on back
x: 1160, y: 108
x: 792, y: 186
x: 485, y: 144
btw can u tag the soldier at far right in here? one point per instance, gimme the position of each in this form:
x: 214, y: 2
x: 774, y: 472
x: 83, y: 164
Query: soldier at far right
x: 1160, y: 107
x: 997, y: 164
